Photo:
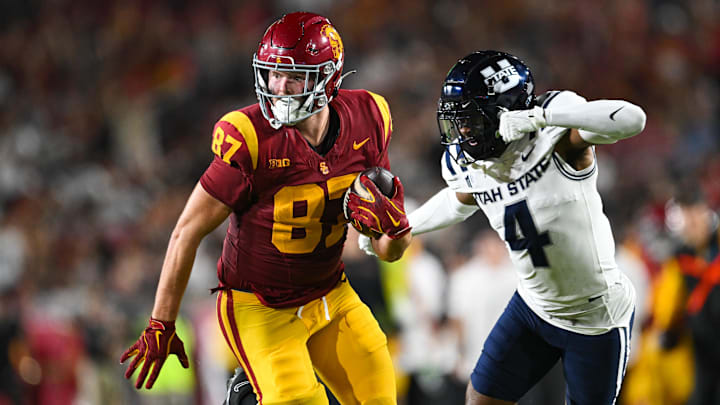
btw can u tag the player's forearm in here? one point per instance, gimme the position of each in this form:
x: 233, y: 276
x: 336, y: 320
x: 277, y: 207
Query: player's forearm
x: 175, y: 274
x: 440, y: 211
x: 201, y: 215
x: 390, y: 250
x: 599, y: 121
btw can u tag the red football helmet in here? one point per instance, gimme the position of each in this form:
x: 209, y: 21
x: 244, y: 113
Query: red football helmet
x: 299, y: 42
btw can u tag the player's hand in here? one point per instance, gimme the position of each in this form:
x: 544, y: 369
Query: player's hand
x: 156, y: 343
x: 515, y: 124
x: 380, y: 213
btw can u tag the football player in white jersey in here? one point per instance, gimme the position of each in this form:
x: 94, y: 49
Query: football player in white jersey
x: 530, y: 165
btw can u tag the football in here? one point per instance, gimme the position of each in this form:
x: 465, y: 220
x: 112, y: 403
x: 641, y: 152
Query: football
x: 383, y: 179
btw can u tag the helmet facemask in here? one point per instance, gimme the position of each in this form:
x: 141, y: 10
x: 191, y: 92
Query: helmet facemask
x: 290, y: 109
x: 472, y: 127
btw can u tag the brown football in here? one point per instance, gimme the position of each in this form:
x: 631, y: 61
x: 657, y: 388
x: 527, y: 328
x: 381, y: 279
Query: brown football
x: 383, y: 179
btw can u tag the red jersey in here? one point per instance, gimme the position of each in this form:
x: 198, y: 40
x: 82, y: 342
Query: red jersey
x: 287, y: 229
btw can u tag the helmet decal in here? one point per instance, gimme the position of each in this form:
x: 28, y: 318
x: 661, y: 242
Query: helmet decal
x: 476, y: 90
x: 500, y: 81
x: 335, y: 42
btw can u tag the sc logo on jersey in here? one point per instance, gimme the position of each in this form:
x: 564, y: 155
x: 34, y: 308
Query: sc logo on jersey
x: 500, y: 81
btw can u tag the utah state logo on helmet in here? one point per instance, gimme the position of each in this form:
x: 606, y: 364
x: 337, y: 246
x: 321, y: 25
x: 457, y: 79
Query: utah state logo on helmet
x: 476, y: 90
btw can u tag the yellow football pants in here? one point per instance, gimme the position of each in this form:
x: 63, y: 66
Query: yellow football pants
x: 281, y: 349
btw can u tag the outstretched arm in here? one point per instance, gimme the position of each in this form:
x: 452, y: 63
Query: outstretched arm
x: 591, y: 123
x: 442, y: 210
x: 202, y: 214
x: 597, y: 122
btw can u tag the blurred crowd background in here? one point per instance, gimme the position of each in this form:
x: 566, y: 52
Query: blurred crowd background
x: 105, y: 123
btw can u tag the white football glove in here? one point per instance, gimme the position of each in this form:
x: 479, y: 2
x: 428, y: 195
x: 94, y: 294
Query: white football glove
x: 366, y: 245
x: 515, y: 124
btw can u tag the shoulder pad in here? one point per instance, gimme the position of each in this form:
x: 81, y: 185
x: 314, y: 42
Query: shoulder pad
x: 235, y: 140
x: 384, y: 108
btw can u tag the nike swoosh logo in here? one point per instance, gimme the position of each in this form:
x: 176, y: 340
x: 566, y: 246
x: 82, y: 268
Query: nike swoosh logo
x: 357, y: 146
x: 612, y: 114
x: 395, y: 223
x: 525, y: 156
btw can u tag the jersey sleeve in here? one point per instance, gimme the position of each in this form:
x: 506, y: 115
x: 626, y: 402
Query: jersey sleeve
x: 229, y: 176
x: 554, y: 99
x: 227, y: 184
x: 387, y: 127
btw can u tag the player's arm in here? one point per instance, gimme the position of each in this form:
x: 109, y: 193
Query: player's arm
x: 595, y: 122
x: 591, y: 123
x: 202, y: 214
x: 598, y: 122
x: 389, y: 249
x: 445, y: 208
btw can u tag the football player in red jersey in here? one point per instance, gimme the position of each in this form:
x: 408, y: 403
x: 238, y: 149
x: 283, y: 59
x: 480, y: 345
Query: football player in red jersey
x: 280, y: 171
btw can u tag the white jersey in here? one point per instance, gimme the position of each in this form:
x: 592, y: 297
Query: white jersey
x: 550, y: 216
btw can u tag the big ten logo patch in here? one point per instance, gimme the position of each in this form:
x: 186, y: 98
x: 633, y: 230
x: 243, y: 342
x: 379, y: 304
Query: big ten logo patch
x: 277, y: 163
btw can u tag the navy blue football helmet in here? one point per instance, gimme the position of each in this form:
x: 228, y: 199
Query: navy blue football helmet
x: 476, y: 90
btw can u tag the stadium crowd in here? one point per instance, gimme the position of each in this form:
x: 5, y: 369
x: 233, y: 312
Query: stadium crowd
x: 107, y: 109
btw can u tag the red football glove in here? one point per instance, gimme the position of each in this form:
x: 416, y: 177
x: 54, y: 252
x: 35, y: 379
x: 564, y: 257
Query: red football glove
x: 154, y: 346
x: 380, y: 213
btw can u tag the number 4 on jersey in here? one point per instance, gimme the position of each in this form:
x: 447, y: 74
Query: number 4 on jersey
x: 532, y: 241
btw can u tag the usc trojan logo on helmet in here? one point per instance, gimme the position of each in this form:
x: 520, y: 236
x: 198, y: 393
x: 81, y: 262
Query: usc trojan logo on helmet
x: 329, y: 32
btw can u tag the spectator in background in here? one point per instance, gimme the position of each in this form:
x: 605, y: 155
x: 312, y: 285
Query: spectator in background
x: 688, y: 301
x: 477, y: 294
x: 426, y: 344
x: 13, y: 349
